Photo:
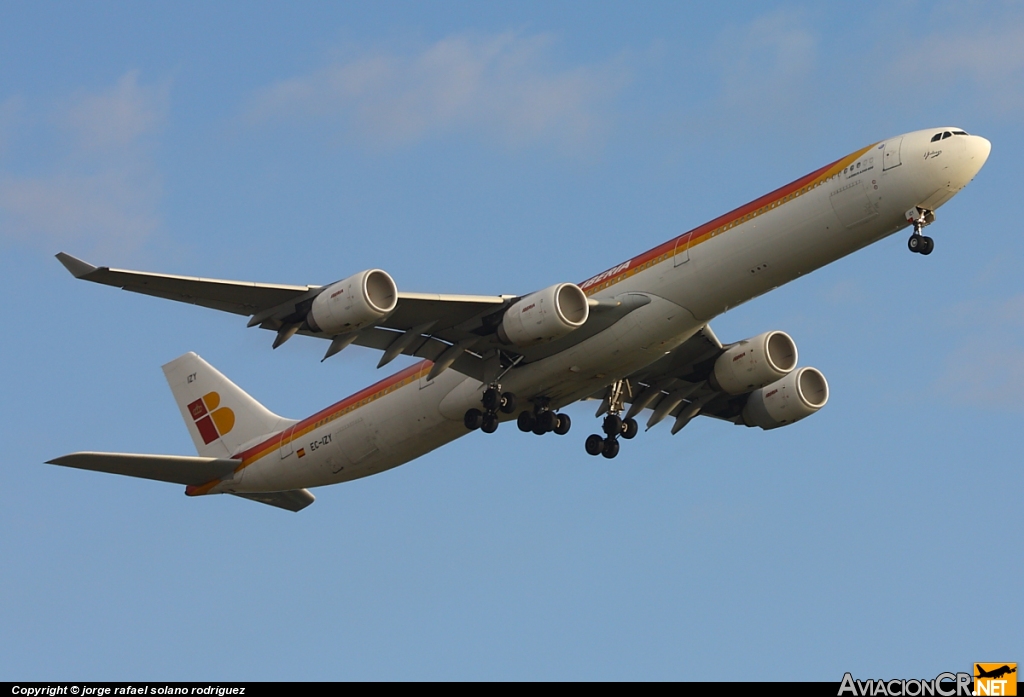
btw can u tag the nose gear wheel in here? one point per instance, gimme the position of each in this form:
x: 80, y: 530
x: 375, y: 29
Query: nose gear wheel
x: 919, y: 243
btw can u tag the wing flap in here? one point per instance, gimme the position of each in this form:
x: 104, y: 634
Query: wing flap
x: 679, y: 381
x: 447, y: 311
x: 176, y: 469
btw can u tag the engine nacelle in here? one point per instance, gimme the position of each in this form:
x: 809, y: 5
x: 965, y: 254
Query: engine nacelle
x: 754, y: 363
x: 794, y: 397
x: 545, y: 315
x: 356, y: 302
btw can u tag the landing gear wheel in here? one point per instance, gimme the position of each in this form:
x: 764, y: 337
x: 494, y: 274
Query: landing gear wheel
x: 594, y: 444
x: 508, y: 403
x: 927, y: 245
x: 610, y: 448
x: 491, y: 399
x: 563, y: 424
x: 526, y: 421
x: 630, y: 428
x: 547, y: 420
x: 490, y: 423
x: 914, y: 243
x: 612, y: 425
x: 474, y: 419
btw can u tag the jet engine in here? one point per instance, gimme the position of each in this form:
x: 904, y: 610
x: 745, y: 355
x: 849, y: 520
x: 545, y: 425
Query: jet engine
x: 544, y: 316
x: 794, y: 397
x: 754, y: 363
x: 356, y: 302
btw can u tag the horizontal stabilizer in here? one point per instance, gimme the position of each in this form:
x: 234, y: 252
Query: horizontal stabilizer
x: 164, y: 468
x: 293, y: 500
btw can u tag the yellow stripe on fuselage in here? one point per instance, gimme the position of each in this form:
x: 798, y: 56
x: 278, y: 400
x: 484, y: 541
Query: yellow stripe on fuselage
x: 719, y: 225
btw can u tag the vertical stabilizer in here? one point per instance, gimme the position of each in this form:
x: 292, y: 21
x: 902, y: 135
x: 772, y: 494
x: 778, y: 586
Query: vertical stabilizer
x: 220, y: 416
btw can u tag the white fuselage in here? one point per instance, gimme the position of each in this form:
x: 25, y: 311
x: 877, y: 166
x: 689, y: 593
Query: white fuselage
x: 690, y: 279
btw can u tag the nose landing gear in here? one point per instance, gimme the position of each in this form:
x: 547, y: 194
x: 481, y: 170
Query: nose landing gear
x: 918, y: 243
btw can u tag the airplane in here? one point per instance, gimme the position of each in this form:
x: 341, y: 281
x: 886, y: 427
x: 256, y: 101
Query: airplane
x: 636, y: 337
x: 996, y: 673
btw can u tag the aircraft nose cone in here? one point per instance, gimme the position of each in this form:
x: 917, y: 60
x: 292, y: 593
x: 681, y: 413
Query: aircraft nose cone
x: 975, y: 153
x: 978, y: 149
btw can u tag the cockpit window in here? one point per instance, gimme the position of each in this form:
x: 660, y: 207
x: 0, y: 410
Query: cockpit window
x: 947, y: 134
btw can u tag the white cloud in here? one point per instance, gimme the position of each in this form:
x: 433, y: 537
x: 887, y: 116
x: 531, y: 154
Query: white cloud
x: 102, y: 192
x: 989, y: 61
x: 845, y: 292
x: 499, y: 87
x: 109, y: 211
x: 767, y: 63
x: 120, y: 116
x: 10, y: 110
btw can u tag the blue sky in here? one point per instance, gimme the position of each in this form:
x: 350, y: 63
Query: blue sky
x: 500, y: 148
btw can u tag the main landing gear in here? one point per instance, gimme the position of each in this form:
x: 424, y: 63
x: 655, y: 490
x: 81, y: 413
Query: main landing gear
x: 613, y: 424
x: 494, y: 400
x: 542, y: 420
x: 918, y: 243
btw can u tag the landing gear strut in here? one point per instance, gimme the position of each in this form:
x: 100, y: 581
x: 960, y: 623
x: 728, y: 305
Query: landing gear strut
x: 918, y: 243
x: 494, y: 400
x: 613, y: 425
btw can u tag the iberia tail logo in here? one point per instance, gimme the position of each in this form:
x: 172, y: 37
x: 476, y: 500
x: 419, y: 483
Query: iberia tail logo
x: 211, y: 421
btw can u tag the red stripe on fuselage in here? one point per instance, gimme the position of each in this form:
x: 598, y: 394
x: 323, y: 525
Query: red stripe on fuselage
x: 697, y: 235
x: 364, y: 396
x: 601, y: 281
x: 325, y: 415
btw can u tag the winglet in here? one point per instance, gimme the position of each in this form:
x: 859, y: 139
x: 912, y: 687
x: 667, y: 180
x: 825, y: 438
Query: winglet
x: 77, y: 267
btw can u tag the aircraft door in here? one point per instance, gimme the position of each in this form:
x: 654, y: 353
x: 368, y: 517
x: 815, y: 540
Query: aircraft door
x: 681, y: 252
x: 287, y: 445
x: 891, y: 154
x: 356, y: 441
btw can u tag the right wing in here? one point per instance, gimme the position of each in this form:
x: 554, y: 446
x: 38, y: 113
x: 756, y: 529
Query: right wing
x: 239, y: 297
x: 423, y: 324
x: 457, y: 331
x: 451, y: 331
